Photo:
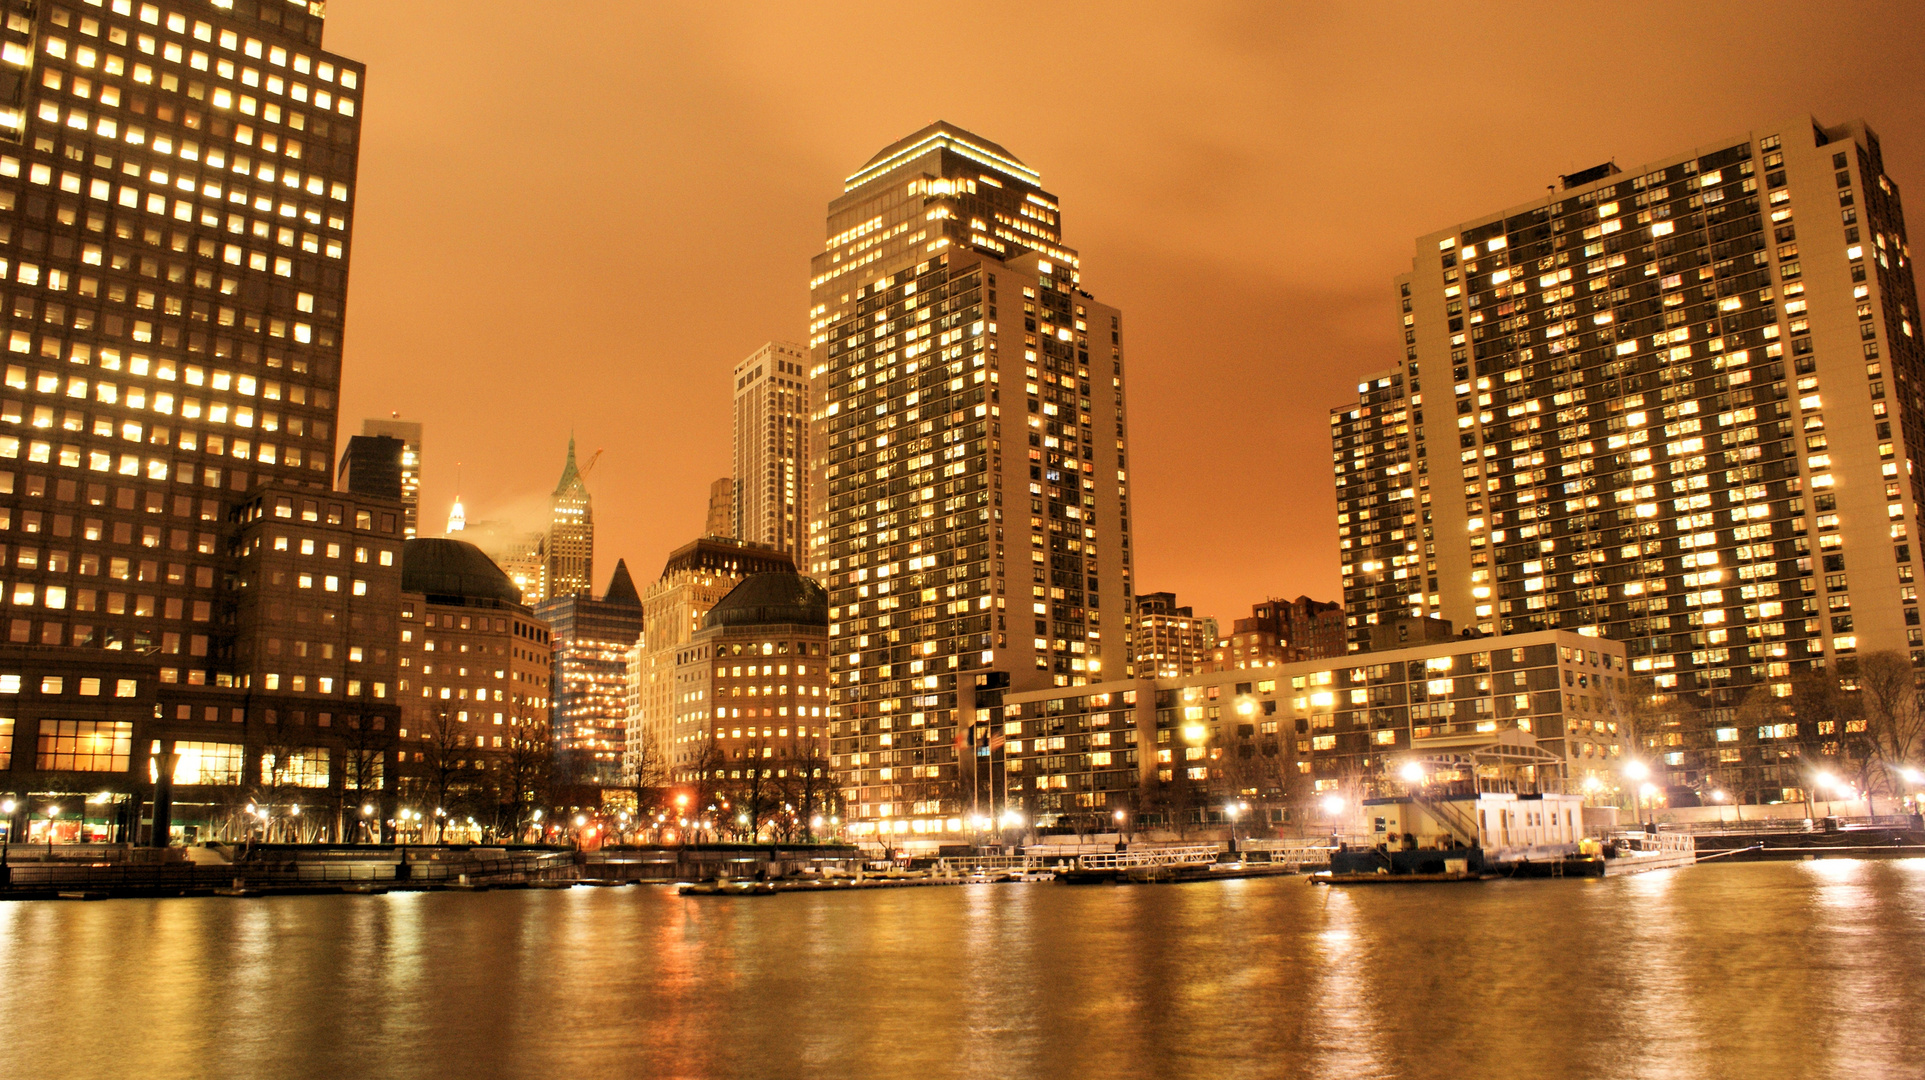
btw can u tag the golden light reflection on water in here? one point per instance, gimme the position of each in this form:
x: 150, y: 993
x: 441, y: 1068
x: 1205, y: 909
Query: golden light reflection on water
x: 1804, y: 970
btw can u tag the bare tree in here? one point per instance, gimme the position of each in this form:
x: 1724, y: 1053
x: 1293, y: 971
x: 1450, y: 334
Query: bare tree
x: 1824, y: 710
x: 812, y: 786
x: 1894, y: 721
x: 363, y: 769
x: 648, y: 782
x: 525, y: 773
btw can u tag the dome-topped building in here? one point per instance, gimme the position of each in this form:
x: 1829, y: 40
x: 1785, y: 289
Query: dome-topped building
x: 751, y: 688
x: 778, y: 598
x: 474, y: 673
x: 439, y: 567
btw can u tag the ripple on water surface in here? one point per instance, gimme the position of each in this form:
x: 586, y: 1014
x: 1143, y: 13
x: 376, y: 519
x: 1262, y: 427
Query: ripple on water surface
x: 1805, y: 969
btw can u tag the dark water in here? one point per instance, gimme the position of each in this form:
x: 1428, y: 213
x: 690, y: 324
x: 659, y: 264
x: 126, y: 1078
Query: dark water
x: 1779, y: 970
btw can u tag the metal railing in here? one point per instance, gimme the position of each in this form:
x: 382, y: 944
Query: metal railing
x: 1183, y: 855
x: 969, y: 863
x: 1296, y: 853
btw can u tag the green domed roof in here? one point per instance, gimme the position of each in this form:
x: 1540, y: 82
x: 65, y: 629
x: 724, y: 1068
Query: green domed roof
x: 780, y: 598
x: 439, y: 566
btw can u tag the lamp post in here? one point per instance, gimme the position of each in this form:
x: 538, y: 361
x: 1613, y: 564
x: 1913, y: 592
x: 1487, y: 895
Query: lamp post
x: 367, y: 828
x: 1636, y: 771
x: 1827, y: 782
x: 53, y: 812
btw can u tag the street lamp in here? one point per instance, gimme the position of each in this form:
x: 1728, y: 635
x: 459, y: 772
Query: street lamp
x: 1826, y: 781
x: 1413, y: 772
x: 1636, y: 771
x: 53, y: 811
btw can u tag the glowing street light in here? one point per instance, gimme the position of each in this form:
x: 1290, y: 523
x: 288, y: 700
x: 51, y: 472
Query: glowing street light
x: 1332, y: 805
x: 1413, y: 772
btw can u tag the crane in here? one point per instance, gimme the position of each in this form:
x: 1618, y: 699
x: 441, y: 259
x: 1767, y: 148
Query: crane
x: 590, y: 467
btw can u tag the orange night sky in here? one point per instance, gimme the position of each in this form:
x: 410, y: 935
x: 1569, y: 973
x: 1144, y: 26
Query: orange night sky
x: 580, y: 215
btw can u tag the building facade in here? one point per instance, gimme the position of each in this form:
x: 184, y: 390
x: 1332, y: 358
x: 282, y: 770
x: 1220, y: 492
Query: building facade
x: 752, y: 699
x: 589, y: 640
x: 569, y: 552
x: 1170, y: 641
x: 721, y: 519
x: 1545, y: 711
x: 1683, y: 414
x: 694, y: 579
x: 771, y: 484
x: 1313, y: 629
x: 475, y: 666
x: 408, y: 432
x: 968, y: 548
x: 177, y: 187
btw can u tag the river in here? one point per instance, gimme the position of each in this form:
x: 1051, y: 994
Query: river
x: 1813, y: 969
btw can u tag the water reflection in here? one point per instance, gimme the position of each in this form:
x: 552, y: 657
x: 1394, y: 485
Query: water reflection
x: 1802, y: 970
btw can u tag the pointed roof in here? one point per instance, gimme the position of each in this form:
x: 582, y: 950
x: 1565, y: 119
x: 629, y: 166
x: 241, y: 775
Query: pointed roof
x: 621, y: 587
x: 571, y: 476
x: 942, y: 135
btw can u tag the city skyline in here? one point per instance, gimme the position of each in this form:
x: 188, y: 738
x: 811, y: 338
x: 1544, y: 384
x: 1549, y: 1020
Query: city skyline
x: 1310, y: 306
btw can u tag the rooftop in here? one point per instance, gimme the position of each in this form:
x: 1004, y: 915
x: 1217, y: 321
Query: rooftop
x: 441, y: 567
x: 942, y: 135
x: 775, y: 599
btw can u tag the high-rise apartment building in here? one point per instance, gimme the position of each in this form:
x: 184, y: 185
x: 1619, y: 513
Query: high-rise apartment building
x: 409, y: 433
x: 176, y: 187
x: 772, y: 447
x: 694, y: 579
x: 1677, y: 407
x: 966, y: 549
x: 1170, y: 641
x: 570, y: 548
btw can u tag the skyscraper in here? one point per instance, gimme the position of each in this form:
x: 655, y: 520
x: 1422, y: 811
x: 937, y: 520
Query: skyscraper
x: 1677, y: 407
x: 966, y: 550
x: 772, y: 446
x: 409, y: 432
x: 570, y: 549
x: 177, y: 189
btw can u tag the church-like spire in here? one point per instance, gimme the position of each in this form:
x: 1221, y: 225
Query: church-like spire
x: 571, y: 476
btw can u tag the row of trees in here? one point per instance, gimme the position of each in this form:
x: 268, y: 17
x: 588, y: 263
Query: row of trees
x: 1862, y: 719
x: 777, y: 788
